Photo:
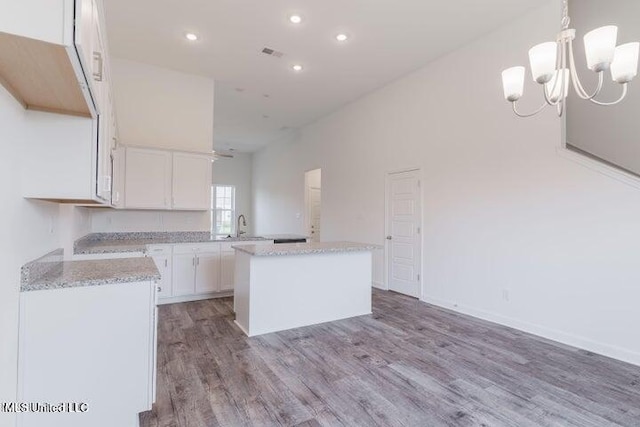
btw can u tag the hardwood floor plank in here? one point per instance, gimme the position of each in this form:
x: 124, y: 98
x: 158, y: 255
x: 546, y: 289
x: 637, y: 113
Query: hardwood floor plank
x: 407, y: 364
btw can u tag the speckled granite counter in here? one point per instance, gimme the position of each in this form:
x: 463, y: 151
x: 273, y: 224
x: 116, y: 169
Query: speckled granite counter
x: 285, y: 237
x: 72, y: 274
x: 305, y: 248
x: 108, y: 243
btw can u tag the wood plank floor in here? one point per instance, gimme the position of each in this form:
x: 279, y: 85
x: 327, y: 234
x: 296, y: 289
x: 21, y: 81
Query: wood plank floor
x: 408, y: 364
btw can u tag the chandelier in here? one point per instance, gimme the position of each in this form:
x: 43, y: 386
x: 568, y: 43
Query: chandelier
x: 553, y: 66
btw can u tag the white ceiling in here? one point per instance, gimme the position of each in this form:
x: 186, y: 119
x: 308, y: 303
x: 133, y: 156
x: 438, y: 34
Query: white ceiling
x: 389, y: 38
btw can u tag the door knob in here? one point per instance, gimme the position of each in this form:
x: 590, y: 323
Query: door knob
x: 388, y: 237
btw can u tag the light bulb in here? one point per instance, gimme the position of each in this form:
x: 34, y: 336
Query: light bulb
x: 558, y: 86
x: 625, y: 63
x: 295, y: 19
x: 513, y: 83
x: 543, y: 59
x: 600, y: 46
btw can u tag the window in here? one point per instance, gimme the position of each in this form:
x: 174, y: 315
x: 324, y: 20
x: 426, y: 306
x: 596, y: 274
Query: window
x: 223, y: 209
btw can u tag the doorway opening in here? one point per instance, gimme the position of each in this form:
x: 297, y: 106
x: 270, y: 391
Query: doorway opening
x: 313, y: 203
x: 403, y: 223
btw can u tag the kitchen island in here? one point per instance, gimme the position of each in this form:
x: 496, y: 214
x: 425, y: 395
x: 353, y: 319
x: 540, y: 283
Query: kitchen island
x: 279, y: 287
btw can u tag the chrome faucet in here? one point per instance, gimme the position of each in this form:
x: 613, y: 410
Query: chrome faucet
x: 244, y: 223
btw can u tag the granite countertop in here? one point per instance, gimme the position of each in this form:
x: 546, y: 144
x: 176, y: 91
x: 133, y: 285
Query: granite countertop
x: 72, y: 274
x: 284, y: 236
x: 305, y: 248
x: 109, y: 243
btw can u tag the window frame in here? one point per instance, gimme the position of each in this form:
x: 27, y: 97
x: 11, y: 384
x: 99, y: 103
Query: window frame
x: 214, y: 209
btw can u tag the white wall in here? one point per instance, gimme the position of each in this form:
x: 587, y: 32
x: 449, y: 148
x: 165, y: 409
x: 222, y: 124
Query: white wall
x: 588, y: 125
x: 159, y: 108
x: 112, y: 220
x: 237, y: 172
x: 314, y: 178
x: 162, y: 108
x: 29, y: 229
x: 502, y: 210
x: 74, y: 222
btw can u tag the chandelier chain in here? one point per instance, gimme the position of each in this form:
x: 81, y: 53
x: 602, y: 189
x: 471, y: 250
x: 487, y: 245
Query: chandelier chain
x: 566, y: 20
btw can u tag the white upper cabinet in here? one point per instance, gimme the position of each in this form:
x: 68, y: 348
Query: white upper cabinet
x: 39, y: 63
x: 53, y: 59
x: 191, y: 182
x: 117, y: 193
x: 147, y: 179
x: 49, y: 24
x: 84, y: 31
x: 159, y: 179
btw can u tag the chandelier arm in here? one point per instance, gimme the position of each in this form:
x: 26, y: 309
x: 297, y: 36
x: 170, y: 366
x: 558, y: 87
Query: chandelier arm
x: 559, y: 65
x: 577, y: 84
x: 560, y: 108
x: 559, y: 80
x: 625, y: 90
x: 547, y: 98
x: 515, y: 110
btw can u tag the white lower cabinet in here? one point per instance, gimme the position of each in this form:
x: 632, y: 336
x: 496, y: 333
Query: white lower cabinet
x: 94, y: 345
x: 227, y: 269
x: 208, y: 271
x: 196, y: 271
x: 184, y: 274
x: 162, y: 256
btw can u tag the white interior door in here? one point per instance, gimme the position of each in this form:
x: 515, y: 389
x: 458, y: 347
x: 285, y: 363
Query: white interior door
x: 315, y: 195
x: 404, y: 242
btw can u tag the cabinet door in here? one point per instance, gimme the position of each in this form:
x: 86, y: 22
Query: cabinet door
x: 191, y: 182
x: 105, y: 162
x: 208, y: 272
x: 84, y: 32
x: 227, y: 264
x: 147, y: 178
x: 114, y: 323
x: 117, y: 194
x: 97, y: 78
x: 184, y: 274
x: 163, y: 262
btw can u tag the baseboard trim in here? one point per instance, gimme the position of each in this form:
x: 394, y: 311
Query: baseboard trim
x: 241, y: 328
x: 189, y: 298
x: 379, y: 285
x: 541, y: 331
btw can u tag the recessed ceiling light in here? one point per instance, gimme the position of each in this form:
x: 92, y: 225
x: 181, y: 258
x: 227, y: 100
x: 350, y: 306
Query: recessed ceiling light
x: 295, y: 19
x: 297, y: 67
x: 342, y: 37
x: 191, y: 37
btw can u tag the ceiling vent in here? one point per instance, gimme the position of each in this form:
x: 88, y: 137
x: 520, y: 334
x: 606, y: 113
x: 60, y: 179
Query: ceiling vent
x: 272, y: 52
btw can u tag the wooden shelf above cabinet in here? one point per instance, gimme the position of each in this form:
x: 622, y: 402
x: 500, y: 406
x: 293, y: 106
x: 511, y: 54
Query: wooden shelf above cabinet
x: 40, y: 76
